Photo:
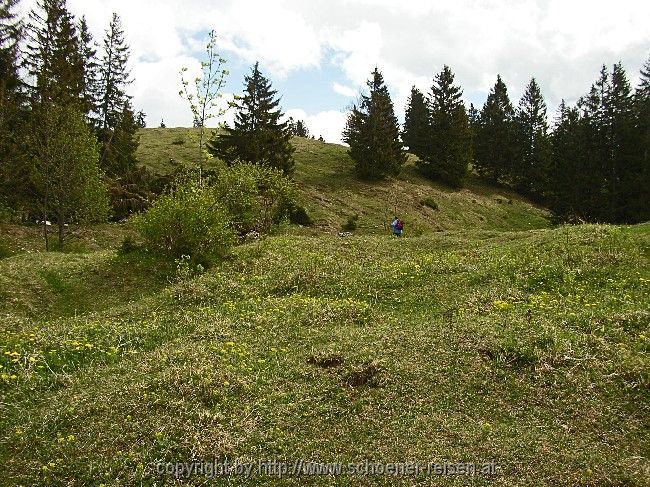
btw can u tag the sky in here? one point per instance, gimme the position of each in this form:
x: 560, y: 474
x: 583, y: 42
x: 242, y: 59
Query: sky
x: 319, y: 53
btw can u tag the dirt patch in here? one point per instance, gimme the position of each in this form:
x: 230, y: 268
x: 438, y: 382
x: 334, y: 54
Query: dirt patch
x: 326, y: 361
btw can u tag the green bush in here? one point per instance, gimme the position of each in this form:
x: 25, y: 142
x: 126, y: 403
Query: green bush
x: 430, y: 202
x: 298, y: 216
x: 189, y: 220
x: 351, y: 224
x: 255, y: 197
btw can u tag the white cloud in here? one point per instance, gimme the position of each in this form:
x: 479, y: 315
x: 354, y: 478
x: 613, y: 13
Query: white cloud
x: 344, y: 90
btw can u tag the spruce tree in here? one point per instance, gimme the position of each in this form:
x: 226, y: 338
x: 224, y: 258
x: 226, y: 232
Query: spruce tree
x: 11, y: 100
x: 593, y: 140
x: 416, y: 124
x: 301, y: 129
x: 640, y: 196
x: 114, y: 75
x: 566, y: 176
x: 54, y: 60
x: 449, y: 150
x: 622, y: 170
x: 533, y: 150
x: 117, y: 130
x: 495, y: 135
x: 88, y: 53
x: 258, y: 136
x: 372, y: 131
x: 119, y: 153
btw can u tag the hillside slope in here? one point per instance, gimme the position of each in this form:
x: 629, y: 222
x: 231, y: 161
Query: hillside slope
x: 331, y: 193
x: 527, y: 348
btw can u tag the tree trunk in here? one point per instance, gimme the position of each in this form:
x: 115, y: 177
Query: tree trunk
x: 47, y: 240
x: 60, y: 222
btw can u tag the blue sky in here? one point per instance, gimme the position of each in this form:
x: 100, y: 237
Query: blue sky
x: 319, y: 53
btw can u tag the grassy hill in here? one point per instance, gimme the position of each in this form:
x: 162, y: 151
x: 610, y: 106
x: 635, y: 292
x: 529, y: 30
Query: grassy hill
x: 520, y: 347
x: 324, y: 174
x: 496, y: 339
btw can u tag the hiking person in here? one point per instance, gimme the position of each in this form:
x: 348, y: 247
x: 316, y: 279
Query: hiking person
x: 398, y: 226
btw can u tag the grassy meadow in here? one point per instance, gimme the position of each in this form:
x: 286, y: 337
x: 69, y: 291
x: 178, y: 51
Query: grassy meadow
x: 483, y: 334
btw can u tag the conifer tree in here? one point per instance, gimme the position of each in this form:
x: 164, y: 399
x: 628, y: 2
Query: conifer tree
x: 114, y: 75
x: 449, y: 150
x: 11, y: 99
x: 495, y: 135
x: 117, y: 129
x: 622, y: 171
x: 119, y: 153
x: 301, y: 129
x: 640, y: 194
x: 416, y: 124
x: 593, y: 142
x: 258, y: 135
x: 372, y: 132
x: 54, y: 60
x: 565, y: 193
x: 90, y: 65
x: 533, y: 150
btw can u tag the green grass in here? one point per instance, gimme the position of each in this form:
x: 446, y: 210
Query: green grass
x: 482, y: 335
x: 530, y: 348
x: 331, y: 192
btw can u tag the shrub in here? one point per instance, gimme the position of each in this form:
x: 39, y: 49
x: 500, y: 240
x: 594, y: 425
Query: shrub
x: 430, y: 202
x: 351, y: 224
x: 256, y: 197
x: 298, y: 216
x: 190, y: 221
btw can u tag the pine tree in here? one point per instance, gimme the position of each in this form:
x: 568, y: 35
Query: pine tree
x: 11, y: 100
x: 301, y: 129
x: 141, y: 119
x: 416, y: 124
x: 10, y: 34
x: 565, y: 193
x: 117, y: 130
x: 372, y: 133
x: 114, y: 74
x: 449, y: 150
x: 473, y: 116
x: 622, y: 172
x: 495, y: 135
x: 533, y: 150
x: 258, y: 136
x: 593, y: 141
x: 119, y: 153
x: 640, y: 192
x: 54, y: 60
x: 88, y: 53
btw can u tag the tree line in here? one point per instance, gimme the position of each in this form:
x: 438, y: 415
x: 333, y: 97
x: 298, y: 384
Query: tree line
x: 67, y: 125
x: 592, y: 164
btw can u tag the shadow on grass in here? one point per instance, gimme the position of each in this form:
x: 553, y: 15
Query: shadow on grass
x: 104, y: 283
